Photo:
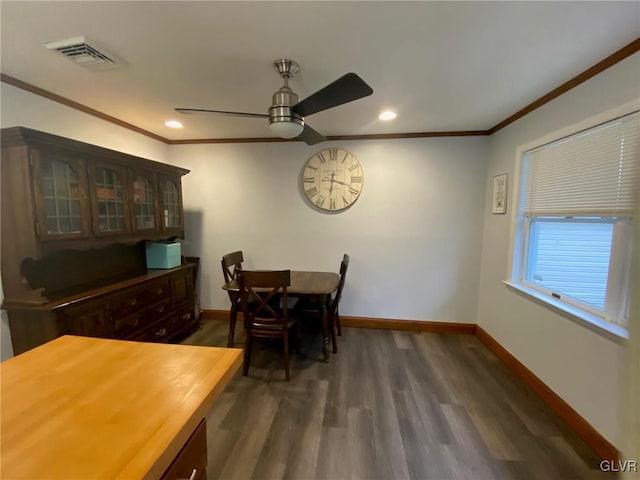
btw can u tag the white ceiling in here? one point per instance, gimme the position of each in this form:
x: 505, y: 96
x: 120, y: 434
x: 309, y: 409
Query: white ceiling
x: 441, y: 65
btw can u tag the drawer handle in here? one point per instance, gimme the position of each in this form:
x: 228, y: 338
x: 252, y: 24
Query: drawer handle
x: 193, y: 475
x: 160, y: 309
x: 162, y: 332
x: 159, y: 291
x: 132, y: 301
x: 186, y: 316
x: 135, y: 322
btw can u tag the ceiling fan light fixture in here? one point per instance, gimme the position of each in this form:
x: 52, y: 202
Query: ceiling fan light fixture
x: 287, y: 128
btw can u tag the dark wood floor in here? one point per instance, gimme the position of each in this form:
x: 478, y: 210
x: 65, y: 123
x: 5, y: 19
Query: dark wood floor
x: 389, y: 405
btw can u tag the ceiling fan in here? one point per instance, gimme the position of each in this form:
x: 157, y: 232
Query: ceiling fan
x: 286, y: 114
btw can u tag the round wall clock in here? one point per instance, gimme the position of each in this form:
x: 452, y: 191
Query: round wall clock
x: 332, y: 179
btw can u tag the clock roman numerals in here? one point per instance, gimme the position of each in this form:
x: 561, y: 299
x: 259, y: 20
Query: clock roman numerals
x: 332, y: 179
x: 321, y: 158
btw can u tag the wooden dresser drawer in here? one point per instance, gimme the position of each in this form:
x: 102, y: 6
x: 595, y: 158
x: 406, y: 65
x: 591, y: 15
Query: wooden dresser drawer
x: 139, y: 298
x: 191, y: 462
x: 153, y: 332
x: 179, y: 319
x: 126, y: 326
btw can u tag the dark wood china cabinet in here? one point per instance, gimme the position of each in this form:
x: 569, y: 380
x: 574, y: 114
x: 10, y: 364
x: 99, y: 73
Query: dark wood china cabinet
x: 75, y: 218
x: 111, y: 208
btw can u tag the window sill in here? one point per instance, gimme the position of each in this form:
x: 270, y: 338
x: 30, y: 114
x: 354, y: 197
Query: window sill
x: 612, y: 332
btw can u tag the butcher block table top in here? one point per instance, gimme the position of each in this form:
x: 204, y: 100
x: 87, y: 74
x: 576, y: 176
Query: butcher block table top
x: 89, y: 408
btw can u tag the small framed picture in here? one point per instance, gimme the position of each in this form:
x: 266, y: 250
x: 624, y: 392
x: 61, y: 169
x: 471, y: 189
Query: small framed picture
x: 500, y: 193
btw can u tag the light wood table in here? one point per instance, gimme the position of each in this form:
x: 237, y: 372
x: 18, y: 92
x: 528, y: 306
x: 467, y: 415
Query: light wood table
x: 313, y: 284
x: 89, y: 408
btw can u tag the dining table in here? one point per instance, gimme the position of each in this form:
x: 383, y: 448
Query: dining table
x: 317, y: 287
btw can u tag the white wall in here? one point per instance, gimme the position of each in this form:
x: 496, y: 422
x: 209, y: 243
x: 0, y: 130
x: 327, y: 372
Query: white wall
x: 21, y: 108
x: 584, y: 368
x: 414, y: 235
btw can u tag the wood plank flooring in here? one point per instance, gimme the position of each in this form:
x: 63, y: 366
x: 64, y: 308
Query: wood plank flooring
x: 389, y: 405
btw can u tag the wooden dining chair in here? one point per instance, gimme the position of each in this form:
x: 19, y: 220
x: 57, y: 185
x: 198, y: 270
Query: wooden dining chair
x: 231, y: 263
x: 269, y: 313
x: 335, y: 314
x: 332, y: 304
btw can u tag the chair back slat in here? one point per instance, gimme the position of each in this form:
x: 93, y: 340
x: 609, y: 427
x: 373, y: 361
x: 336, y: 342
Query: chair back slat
x: 344, y: 266
x: 268, y: 290
x: 231, y: 262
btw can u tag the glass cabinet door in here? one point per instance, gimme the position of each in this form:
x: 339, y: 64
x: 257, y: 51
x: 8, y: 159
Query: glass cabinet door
x: 144, y: 202
x: 109, y: 200
x: 171, y: 207
x: 62, y: 197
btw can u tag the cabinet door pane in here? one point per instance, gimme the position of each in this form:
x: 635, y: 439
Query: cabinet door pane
x: 171, y: 204
x: 110, y: 200
x: 143, y: 203
x: 61, y: 189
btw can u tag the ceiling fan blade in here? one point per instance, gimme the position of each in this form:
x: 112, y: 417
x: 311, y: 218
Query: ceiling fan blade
x: 189, y: 111
x: 346, y: 89
x: 310, y: 136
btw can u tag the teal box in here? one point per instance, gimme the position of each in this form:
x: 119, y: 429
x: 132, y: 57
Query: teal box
x: 163, y: 255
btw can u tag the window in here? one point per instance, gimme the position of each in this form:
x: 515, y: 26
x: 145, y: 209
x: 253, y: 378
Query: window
x: 575, y: 220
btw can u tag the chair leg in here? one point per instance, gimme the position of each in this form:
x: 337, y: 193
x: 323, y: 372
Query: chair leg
x: 332, y: 328
x: 286, y: 355
x: 247, y: 354
x: 337, y: 320
x: 233, y: 315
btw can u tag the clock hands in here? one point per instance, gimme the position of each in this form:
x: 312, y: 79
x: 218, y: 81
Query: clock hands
x: 333, y: 180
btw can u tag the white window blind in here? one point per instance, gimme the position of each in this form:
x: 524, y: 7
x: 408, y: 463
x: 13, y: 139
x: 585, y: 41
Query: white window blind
x: 590, y: 173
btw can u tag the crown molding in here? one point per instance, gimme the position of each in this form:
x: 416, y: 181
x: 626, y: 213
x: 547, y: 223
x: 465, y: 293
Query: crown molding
x: 76, y: 106
x: 599, y: 67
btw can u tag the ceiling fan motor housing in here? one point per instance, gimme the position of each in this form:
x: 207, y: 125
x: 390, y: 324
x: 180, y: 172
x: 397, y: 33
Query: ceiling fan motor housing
x: 280, y: 110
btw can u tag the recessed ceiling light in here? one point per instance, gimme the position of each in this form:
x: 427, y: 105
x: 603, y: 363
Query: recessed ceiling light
x: 388, y: 115
x: 173, y: 124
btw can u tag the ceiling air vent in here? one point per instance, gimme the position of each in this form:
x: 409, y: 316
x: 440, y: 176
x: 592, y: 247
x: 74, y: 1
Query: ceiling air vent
x: 79, y: 51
